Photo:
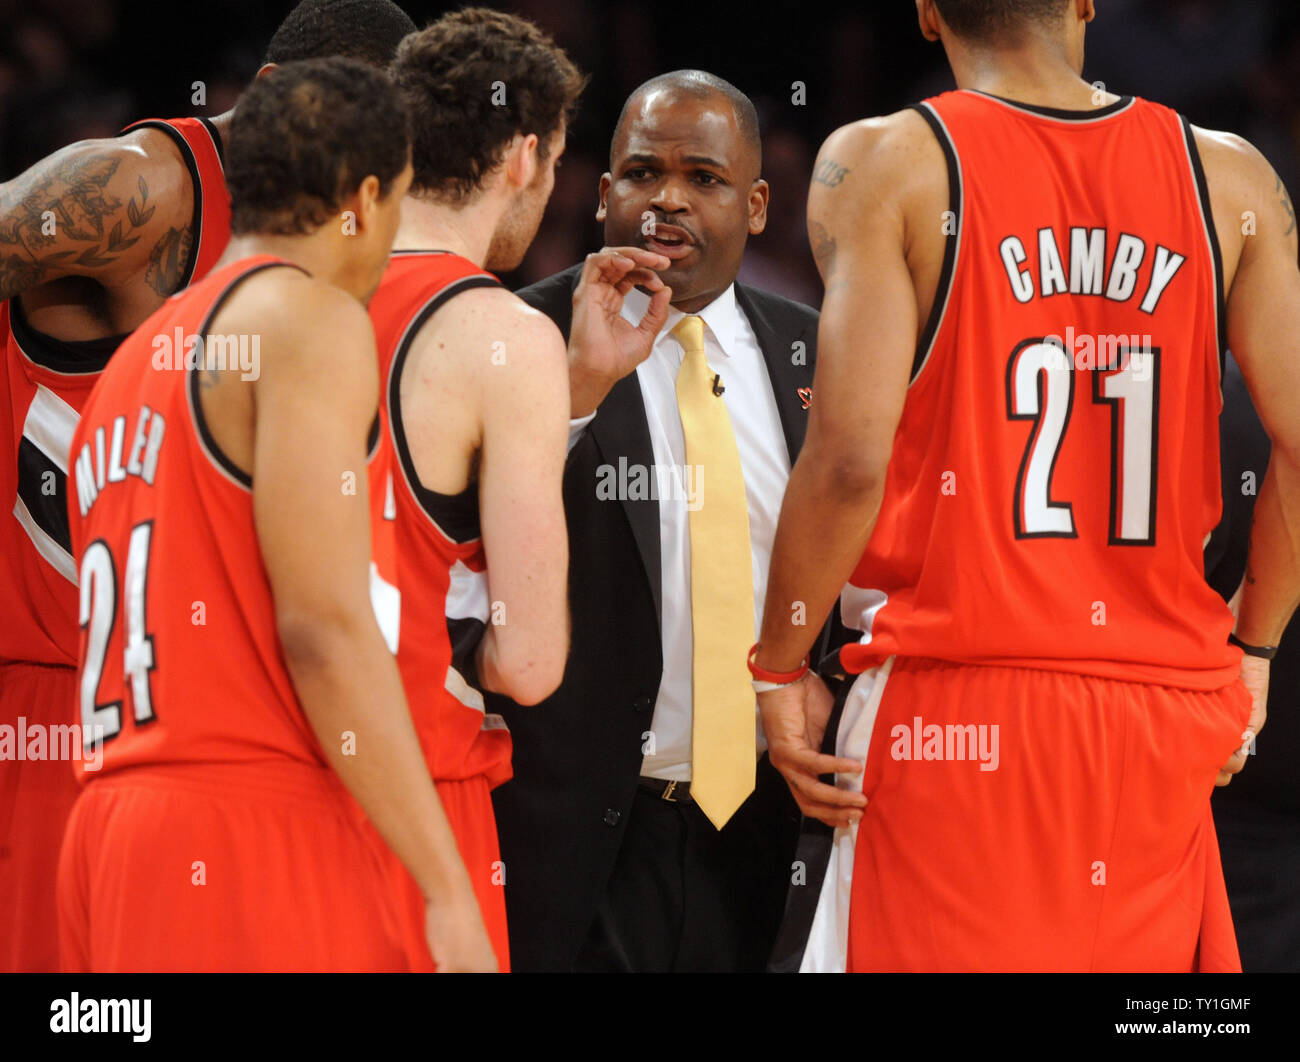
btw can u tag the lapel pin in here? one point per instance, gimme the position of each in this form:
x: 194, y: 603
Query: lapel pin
x: 805, y: 396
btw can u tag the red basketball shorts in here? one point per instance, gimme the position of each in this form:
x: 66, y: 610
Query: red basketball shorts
x: 1026, y: 820
x: 468, y: 807
x: 200, y: 867
x: 38, y: 786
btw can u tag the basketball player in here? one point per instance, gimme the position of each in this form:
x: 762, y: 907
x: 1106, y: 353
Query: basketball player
x: 216, y: 836
x: 1013, y: 460
x: 476, y: 410
x: 92, y: 240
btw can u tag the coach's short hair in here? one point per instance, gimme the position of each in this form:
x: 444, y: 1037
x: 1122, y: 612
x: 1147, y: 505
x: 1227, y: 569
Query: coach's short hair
x: 472, y: 81
x: 699, y: 84
x: 305, y: 137
x: 368, y: 30
x: 991, y: 21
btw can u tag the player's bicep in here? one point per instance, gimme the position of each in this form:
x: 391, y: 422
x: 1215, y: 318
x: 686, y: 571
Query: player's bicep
x: 1264, y: 309
x: 97, y: 208
x: 867, y: 332
x: 315, y: 403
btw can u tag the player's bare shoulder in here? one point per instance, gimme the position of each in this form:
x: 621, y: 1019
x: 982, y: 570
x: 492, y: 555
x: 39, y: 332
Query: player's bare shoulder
x: 115, y: 210
x: 309, y: 326
x: 1247, y: 197
x: 489, y: 328
x: 877, y: 181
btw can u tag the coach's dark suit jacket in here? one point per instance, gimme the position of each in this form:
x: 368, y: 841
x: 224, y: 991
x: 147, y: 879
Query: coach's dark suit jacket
x: 577, y: 755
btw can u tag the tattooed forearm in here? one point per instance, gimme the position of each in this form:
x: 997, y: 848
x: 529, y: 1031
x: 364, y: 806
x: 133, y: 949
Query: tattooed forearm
x: 1287, y: 206
x: 830, y: 173
x: 62, y: 218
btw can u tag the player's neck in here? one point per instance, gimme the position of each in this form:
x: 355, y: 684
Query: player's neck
x: 428, y: 226
x: 1044, y: 74
x: 316, y: 253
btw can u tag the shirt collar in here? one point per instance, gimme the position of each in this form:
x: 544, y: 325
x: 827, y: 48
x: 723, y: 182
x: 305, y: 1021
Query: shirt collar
x: 722, y: 316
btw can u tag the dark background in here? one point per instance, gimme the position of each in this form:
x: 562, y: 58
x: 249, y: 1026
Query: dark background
x: 71, y: 69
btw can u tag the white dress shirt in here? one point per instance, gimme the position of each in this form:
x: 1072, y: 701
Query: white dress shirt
x: 732, y: 352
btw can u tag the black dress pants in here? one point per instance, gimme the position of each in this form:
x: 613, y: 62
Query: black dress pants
x: 686, y: 897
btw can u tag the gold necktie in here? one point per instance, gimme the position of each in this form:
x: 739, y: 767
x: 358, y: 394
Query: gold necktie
x: 722, y: 590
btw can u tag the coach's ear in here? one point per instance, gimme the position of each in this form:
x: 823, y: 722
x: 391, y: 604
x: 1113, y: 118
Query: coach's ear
x: 601, y: 207
x: 1087, y: 9
x: 265, y: 69
x: 928, y: 19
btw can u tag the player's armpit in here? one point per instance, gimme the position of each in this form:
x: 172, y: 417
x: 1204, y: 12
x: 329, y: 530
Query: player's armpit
x: 525, y: 417
x: 103, y: 209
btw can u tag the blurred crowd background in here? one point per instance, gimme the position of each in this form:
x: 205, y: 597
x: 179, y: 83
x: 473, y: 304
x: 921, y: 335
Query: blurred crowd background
x: 71, y: 69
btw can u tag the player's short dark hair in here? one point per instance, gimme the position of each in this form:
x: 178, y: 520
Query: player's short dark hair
x: 368, y: 30
x: 989, y: 21
x: 472, y: 81
x: 305, y: 137
x: 701, y: 85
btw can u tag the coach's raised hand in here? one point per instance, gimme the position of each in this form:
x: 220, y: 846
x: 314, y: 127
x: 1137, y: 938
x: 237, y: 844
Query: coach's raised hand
x: 603, y: 346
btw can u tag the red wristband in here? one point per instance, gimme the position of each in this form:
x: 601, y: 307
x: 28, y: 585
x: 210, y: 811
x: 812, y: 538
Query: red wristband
x: 781, y: 677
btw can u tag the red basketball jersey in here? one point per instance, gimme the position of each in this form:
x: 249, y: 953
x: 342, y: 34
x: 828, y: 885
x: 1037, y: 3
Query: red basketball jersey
x: 1056, y: 470
x: 180, y: 658
x: 43, y: 386
x: 438, y: 562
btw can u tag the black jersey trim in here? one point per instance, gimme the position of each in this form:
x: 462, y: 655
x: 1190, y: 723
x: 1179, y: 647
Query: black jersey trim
x: 1058, y: 113
x: 1212, y: 237
x: 217, y: 142
x: 952, y: 247
x: 82, y: 357
x: 206, y: 439
x: 454, y: 515
x: 196, y: 182
x: 49, y: 511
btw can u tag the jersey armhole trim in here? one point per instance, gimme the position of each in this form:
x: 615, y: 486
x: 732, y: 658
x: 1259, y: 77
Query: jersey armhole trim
x: 1212, y: 238
x: 426, y: 498
x: 196, y: 182
x: 217, y: 142
x: 208, y: 442
x: 952, y: 247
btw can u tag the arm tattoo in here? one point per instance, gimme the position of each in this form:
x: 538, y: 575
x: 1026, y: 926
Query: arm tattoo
x: 168, y: 259
x: 830, y: 173
x: 67, y: 203
x: 823, y: 245
x: 1286, y: 205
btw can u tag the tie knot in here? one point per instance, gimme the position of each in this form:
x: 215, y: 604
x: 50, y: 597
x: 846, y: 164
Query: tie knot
x: 690, y: 334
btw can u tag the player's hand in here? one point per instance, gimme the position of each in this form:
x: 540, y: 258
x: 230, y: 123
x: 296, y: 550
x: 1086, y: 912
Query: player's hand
x: 456, y: 936
x: 794, y: 721
x: 1254, y: 673
x: 603, y: 347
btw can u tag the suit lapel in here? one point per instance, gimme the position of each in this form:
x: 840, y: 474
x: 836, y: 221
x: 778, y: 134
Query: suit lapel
x: 622, y: 434
x: 776, y: 339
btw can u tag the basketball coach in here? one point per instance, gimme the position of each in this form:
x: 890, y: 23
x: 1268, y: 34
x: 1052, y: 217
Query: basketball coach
x: 644, y: 829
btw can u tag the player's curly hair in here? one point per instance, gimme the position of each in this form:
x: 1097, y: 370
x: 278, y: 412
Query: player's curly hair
x: 472, y: 81
x: 368, y: 30
x: 304, y: 137
x: 988, y: 21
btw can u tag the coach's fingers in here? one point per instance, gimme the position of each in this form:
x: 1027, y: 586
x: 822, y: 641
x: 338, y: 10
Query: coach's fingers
x: 642, y: 257
x: 646, y: 278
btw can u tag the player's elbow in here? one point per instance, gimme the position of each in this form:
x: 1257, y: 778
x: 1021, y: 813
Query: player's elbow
x: 530, y: 669
x: 311, y: 641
